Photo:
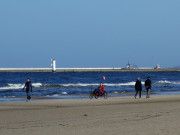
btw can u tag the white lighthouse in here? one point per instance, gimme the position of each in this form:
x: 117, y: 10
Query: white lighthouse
x: 53, y: 65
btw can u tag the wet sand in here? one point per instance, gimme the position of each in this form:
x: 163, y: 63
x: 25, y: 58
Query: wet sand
x: 159, y: 115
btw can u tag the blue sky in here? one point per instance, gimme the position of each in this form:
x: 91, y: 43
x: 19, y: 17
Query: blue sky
x: 89, y: 33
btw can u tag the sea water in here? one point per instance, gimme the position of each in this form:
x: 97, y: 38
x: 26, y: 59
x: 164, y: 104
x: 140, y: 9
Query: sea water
x: 79, y: 85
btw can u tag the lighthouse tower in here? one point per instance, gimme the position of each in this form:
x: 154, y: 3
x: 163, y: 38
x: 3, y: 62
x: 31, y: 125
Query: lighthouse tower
x: 53, y: 65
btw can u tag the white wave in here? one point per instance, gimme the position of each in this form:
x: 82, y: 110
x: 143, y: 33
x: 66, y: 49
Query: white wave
x: 165, y: 81
x: 12, y: 86
x: 119, y: 84
x: 176, y: 82
x: 19, y: 86
x: 55, y: 95
x: 9, y: 96
x: 168, y: 82
x: 37, y: 84
x: 64, y: 93
x: 97, y: 84
x: 79, y: 85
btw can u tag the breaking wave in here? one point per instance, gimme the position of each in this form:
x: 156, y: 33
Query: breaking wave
x: 36, y: 85
x: 86, y: 85
x: 19, y: 86
x: 168, y: 82
x: 70, y: 85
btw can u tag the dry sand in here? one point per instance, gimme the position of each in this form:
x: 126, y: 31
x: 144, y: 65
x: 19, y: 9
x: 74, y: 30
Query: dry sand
x: 159, y: 115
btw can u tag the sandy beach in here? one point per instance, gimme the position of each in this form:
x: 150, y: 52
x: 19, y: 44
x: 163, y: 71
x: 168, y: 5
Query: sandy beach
x: 158, y: 115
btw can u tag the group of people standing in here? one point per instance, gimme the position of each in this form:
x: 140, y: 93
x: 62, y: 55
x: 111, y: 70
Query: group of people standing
x: 138, y: 87
x: 101, y: 89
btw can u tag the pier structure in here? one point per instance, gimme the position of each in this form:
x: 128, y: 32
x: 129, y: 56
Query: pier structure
x: 89, y: 70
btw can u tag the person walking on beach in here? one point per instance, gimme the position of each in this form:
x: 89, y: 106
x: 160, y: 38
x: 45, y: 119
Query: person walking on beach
x: 148, y: 86
x: 138, y: 87
x: 28, y: 86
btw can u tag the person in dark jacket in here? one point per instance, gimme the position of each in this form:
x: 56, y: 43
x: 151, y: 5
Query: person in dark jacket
x: 138, y: 87
x: 148, y: 86
x: 28, y: 86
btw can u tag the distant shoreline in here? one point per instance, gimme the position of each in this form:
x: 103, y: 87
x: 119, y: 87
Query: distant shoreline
x: 88, y: 70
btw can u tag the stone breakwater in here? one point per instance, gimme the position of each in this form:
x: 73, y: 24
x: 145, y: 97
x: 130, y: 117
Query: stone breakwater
x: 88, y: 70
